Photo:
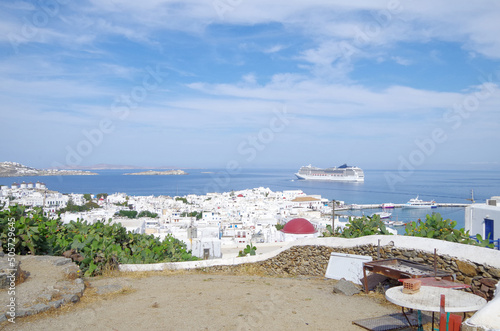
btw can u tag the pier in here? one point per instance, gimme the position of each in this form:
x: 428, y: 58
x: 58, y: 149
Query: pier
x: 396, y: 205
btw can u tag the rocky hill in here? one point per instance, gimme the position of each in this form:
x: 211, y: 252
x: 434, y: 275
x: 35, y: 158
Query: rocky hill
x: 13, y: 169
x: 159, y: 173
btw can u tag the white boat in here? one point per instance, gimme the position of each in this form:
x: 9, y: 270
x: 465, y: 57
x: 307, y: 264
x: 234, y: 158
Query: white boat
x: 417, y: 203
x: 344, y: 173
x: 388, y: 205
x: 383, y: 215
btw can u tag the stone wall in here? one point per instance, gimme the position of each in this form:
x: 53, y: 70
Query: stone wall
x: 312, y: 260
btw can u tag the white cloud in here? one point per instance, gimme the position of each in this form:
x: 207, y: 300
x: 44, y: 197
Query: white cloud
x: 274, y: 49
x: 401, y: 61
x: 250, y: 78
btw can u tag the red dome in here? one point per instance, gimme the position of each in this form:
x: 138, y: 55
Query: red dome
x: 299, y: 226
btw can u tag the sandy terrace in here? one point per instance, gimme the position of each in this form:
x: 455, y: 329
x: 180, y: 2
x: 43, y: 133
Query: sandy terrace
x: 205, y: 301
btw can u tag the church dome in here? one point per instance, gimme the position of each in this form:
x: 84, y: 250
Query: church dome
x: 299, y: 226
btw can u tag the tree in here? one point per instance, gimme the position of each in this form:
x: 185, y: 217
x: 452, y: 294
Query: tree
x: 87, y: 197
x: 181, y: 199
x: 146, y: 213
x: 127, y: 213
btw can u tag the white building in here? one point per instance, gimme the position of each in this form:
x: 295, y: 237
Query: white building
x: 484, y: 218
x: 132, y: 225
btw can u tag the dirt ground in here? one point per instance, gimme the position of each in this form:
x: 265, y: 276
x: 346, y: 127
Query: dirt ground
x: 207, y: 301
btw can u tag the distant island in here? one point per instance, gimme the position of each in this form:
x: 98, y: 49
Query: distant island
x: 13, y: 169
x: 159, y: 173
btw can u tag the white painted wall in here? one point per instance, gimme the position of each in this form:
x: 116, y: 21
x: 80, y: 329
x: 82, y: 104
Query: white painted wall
x: 476, y: 254
x: 475, y: 215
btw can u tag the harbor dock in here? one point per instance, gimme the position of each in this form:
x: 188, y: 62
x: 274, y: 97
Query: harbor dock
x: 396, y: 205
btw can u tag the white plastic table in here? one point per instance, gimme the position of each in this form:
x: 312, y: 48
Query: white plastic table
x: 429, y: 298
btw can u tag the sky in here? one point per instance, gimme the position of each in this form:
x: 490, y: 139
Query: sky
x: 235, y: 84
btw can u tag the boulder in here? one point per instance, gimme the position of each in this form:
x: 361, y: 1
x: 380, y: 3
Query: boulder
x: 345, y: 287
x: 467, y: 268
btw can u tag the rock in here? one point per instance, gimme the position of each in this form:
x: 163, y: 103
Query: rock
x: 495, y: 272
x: 63, y: 285
x: 466, y: 268
x: 484, y: 288
x: 56, y: 304
x: 72, y: 271
x: 39, y: 308
x: 419, y: 260
x: 345, y: 287
x: 6, y: 269
x: 468, y: 280
x: 71, y: 298
x: 45, y: 296
x: 490, y: 282
x: 2, y: 315
x: 22, y: 312
x: 61, y: 261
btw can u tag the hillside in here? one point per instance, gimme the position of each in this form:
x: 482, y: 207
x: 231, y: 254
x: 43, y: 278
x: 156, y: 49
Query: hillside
x: 13, y: 169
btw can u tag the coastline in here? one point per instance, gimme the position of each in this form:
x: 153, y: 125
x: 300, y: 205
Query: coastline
x: 62, y: 173
x: 157, y: 173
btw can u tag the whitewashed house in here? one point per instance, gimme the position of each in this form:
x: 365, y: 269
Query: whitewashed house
x: 484, y: 218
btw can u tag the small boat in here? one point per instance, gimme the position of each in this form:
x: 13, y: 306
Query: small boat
x: 417, y: 203
x: 388, y: 205
x: 382, y: 215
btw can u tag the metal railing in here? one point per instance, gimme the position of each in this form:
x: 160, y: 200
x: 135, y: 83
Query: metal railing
x: 495, y: 242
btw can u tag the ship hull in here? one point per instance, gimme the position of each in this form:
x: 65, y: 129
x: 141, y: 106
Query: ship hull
x: 330, y: 178
x: 420, y: 206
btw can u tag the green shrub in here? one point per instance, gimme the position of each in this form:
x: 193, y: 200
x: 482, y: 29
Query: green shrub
x: 438, y: 228
x: 102, y: 245
x: 250, y: 249
x: 364, y: 226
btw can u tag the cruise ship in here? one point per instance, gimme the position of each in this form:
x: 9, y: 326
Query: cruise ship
x: 343, y: 173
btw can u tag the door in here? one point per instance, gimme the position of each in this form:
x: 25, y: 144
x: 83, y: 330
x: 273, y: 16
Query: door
x: 488, y: 229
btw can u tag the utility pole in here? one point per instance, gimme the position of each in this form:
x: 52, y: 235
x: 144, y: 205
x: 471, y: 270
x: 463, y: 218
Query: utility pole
x: 333, y: 216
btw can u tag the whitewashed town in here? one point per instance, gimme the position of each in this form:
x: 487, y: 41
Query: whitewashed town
x: 206, y: 223
x: 214, y: 224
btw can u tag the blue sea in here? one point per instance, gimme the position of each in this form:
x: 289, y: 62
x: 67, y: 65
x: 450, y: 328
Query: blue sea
x: 380, y: 186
